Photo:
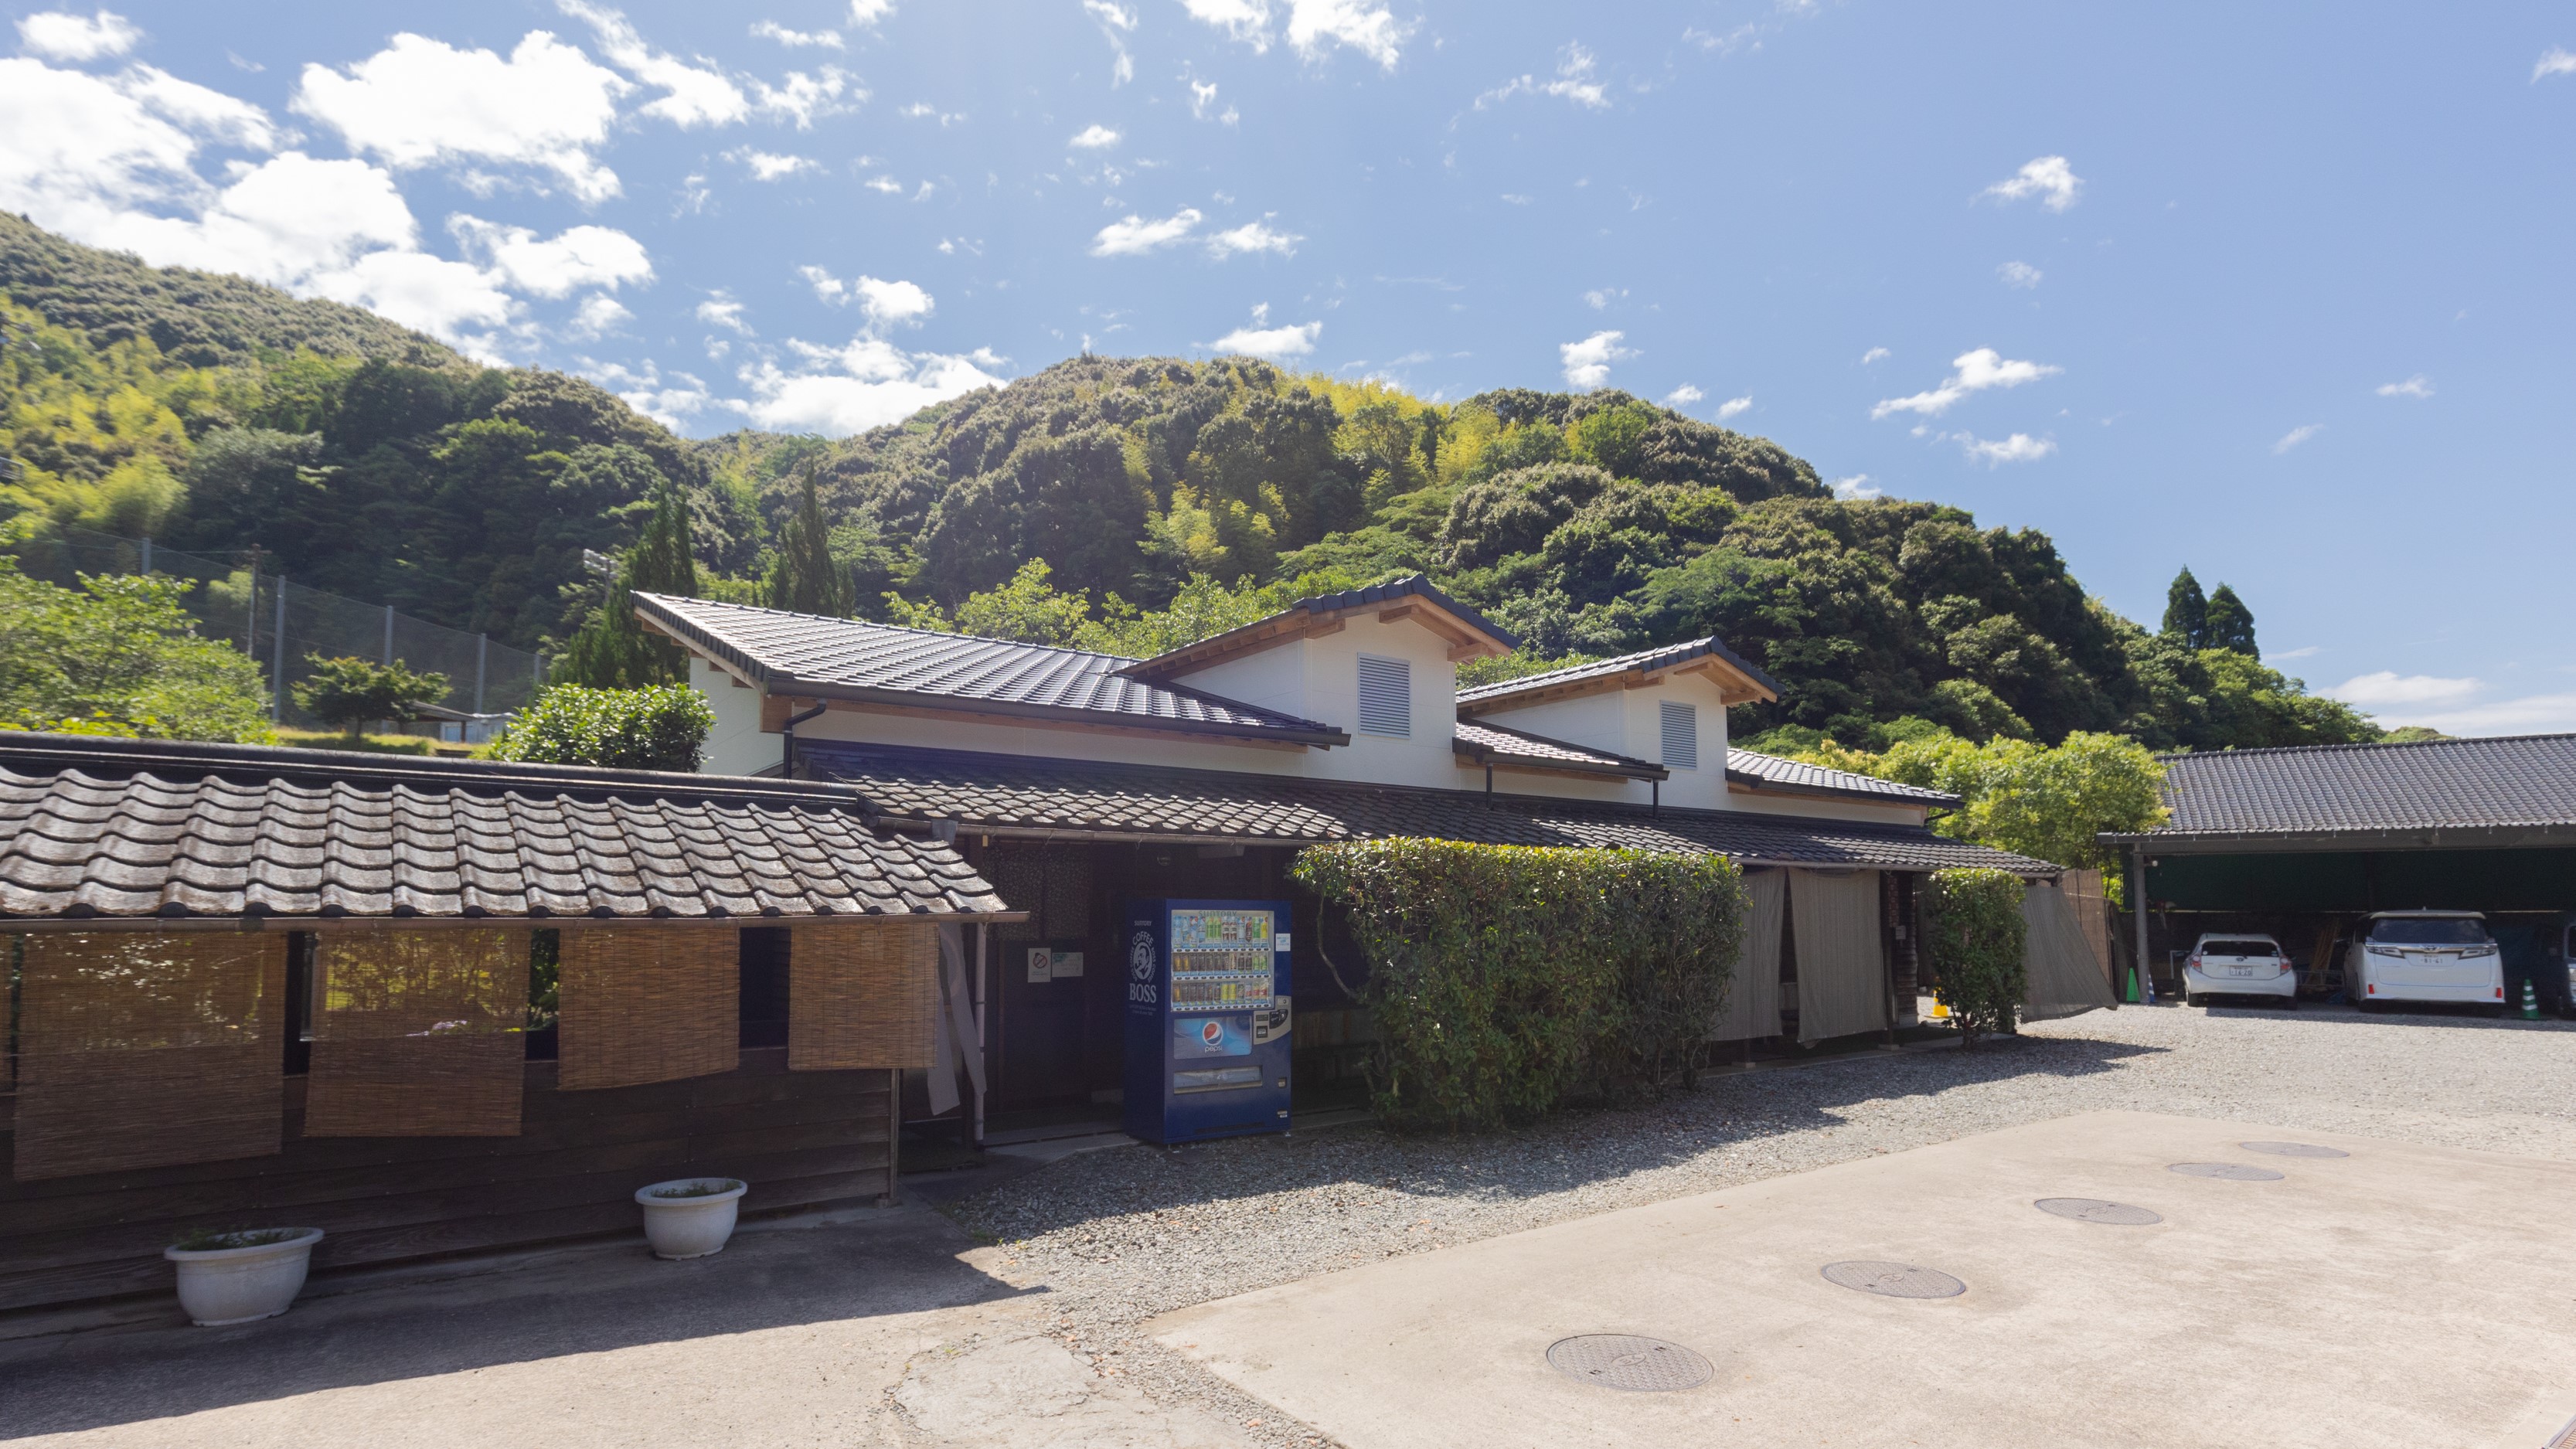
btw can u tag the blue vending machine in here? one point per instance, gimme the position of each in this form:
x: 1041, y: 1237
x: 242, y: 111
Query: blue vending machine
x: 1207, y: 1019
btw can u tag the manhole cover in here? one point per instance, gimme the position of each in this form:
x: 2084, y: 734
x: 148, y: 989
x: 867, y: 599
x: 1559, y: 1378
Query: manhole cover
x: 2095, y: 1210
x: 1895, y: 1280
x: 2232, y: 1171
x: 2293, y: 1149
x: 1624, y: 1361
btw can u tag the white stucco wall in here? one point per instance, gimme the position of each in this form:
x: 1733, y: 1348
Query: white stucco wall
x: 1630, y: 722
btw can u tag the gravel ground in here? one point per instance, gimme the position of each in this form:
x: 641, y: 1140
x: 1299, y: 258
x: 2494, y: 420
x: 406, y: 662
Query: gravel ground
x: 1118, y: 1237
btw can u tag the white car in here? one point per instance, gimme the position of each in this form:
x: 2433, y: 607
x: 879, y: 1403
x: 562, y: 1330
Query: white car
x: 2239, y: 963
x: 2426, y: 956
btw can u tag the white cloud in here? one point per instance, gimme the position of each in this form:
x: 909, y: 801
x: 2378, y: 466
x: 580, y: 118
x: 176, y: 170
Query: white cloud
x: 1601, y: 297
x: 2295, y: 436
x: 1856, y: 487
x: 1977, y: 371
x: 2529, y: 715
x: 806, y: 97
x: 1587, y: 363
x: 2301, y: 653
x: 869, y: 12
x: 2048, y: 178
x: 1094, y: 137
x: 796, y: 39
x: 418, y: 102
x: 886, y: 184
x: 1252, y: 236
x: 1733, y: 406
x: 1683, y: 396
x: 2019, y: 274
x: 692, y: 95
x: 2019, y: 448
x: 887, y: 303
x: 1135, y: 235
x: 1275, y: 343
x: 867, y: 384
x: 670, y: 403
x: 1244, y: 20
x: 2387, y: 687
x: 419, y: 290
x: 723, y: 311
x: 210, y: 113
x: 69, y: 37
x: 2554, y: 61
x: 1116, y: 23
x: 772, y: 165
x: 1875, y: 354
x: 1372, y: 30
x: 597, y: 315
x: 1202, y: 96
x: 1574, y: 82
x: 583, y: 256
x: 2418, y: 386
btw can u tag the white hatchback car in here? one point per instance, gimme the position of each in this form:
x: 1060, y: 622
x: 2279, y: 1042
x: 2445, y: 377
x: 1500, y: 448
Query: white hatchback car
x: 2426, y: 956
x: 2239, y: 963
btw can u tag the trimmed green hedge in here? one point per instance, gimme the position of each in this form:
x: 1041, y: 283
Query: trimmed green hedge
x: 1503, y: 979
x: 1972, y: 925
x: 663, y: 727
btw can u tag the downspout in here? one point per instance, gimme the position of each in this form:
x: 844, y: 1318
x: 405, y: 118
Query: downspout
x: 787, y: 759
x: 1655, y: 797
x: 1489, y: 784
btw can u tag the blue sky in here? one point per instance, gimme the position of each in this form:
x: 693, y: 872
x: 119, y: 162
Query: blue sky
x: 2278, y: 292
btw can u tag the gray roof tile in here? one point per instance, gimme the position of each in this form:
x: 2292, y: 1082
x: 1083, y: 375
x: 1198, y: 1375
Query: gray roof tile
x: 1770, y: 770
x: 1662, y: 657
x: 1496, y: 744
x: 2519, y: 781
x: 140, y: 828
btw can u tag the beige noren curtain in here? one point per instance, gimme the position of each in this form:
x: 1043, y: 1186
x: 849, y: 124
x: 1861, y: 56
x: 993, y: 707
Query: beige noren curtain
x: 139, y: 1050
x: 861, y: 994
x: 2063, y: 976
x: 649, y: 1004
x: 1753, y: 993
x: 1842, y: 963
x: 418, y: 1034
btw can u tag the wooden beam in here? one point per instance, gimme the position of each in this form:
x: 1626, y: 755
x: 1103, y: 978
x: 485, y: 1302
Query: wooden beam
x: 1398, y: 614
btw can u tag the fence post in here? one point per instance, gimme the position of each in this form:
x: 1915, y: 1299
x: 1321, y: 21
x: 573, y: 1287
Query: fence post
x: 250, y: 610
x: 277, y: 669
x: 147, y: 554
x: 482, y: 648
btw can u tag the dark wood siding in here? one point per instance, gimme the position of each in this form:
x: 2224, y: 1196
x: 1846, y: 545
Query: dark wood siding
x: 798, y: 1138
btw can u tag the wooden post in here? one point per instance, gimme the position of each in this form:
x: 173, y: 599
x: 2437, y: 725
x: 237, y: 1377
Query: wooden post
x: 894, y: 1135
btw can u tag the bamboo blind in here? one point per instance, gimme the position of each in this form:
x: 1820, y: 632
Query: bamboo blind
x: 139, y: 1051
x: 642, y: 1004
x: 418, y: 1034
x: 861, y: 994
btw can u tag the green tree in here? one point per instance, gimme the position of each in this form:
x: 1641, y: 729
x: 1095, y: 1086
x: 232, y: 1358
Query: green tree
x: 1028, y: 608
x: 612, y: 651
x: 120, y: 655
x: 2229, y: 624
x: 1974, y: 933
x: 2186, y: 612
x: 663, y: 727
x: 347, y: 693
x: 804, y: 577
x: 2027, y: 798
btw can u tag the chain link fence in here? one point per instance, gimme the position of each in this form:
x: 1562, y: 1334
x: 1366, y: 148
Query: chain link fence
x: 280, y: 623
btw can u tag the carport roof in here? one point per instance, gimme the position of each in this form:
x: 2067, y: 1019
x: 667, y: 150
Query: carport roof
x: 2505, y: 791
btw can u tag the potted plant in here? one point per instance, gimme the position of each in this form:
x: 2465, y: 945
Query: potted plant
x: 239, y: 1275
x: 690, y: 1217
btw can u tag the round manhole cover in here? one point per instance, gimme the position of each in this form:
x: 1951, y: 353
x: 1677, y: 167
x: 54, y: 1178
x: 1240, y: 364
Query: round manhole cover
x: 2095, y: 1210
x: 1624, y: 1361
x: 2232, y: 1171
x: 2293, y: 1149
x: 1895, y: 1280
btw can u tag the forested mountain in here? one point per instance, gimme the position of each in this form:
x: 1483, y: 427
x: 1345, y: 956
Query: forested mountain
x: 215, y: 414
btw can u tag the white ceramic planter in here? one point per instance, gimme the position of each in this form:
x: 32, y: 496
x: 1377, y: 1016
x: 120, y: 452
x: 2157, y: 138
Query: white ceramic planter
x: 690, y: 1227
x: 241, y: 1285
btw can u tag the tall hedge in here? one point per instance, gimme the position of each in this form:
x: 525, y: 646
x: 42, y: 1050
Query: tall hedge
x: 1502, y: 979
x: 1972, y: 925
x: 663, y: 727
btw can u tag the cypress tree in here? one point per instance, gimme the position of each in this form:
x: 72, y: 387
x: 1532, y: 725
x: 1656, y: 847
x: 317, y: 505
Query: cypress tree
x: 804, y: 577
x: 2230, y: 624
x: 612, y: 651
x: 2186, y: 612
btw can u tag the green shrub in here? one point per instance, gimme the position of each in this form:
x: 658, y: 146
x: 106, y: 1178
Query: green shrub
x: 1502, y: 978
x: 1972, y: 925
x: 660, y: 728
x: 347, y: 692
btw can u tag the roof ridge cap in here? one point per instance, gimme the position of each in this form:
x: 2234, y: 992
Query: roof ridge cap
x: 896, y: 628
x: 2366, y: 745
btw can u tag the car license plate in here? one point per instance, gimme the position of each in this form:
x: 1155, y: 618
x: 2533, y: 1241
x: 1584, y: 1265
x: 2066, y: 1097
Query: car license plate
x: 2240, y: 970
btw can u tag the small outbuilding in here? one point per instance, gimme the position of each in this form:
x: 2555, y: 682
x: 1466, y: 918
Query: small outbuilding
x: 435, y: 1006
x: 2303, y: 843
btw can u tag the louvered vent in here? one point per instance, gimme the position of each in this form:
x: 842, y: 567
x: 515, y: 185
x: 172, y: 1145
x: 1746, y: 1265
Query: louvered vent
x: 1386, y: 697
x: 1681, y: 735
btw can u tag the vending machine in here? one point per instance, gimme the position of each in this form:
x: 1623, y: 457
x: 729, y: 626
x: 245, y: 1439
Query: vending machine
x: 1207, y: 1019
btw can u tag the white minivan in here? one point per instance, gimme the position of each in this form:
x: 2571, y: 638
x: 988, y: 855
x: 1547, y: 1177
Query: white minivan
x: 2239, y: 963
x: 2426, y: 956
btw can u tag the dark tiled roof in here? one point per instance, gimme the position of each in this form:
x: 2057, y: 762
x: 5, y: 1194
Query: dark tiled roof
x: 92, y: 827
x: 1759, y: 771
x: 1643, y: 661
x: 1076, y: 798
x: 805, y: 654
x: 2525, y: 781
x: 1491, y: 743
